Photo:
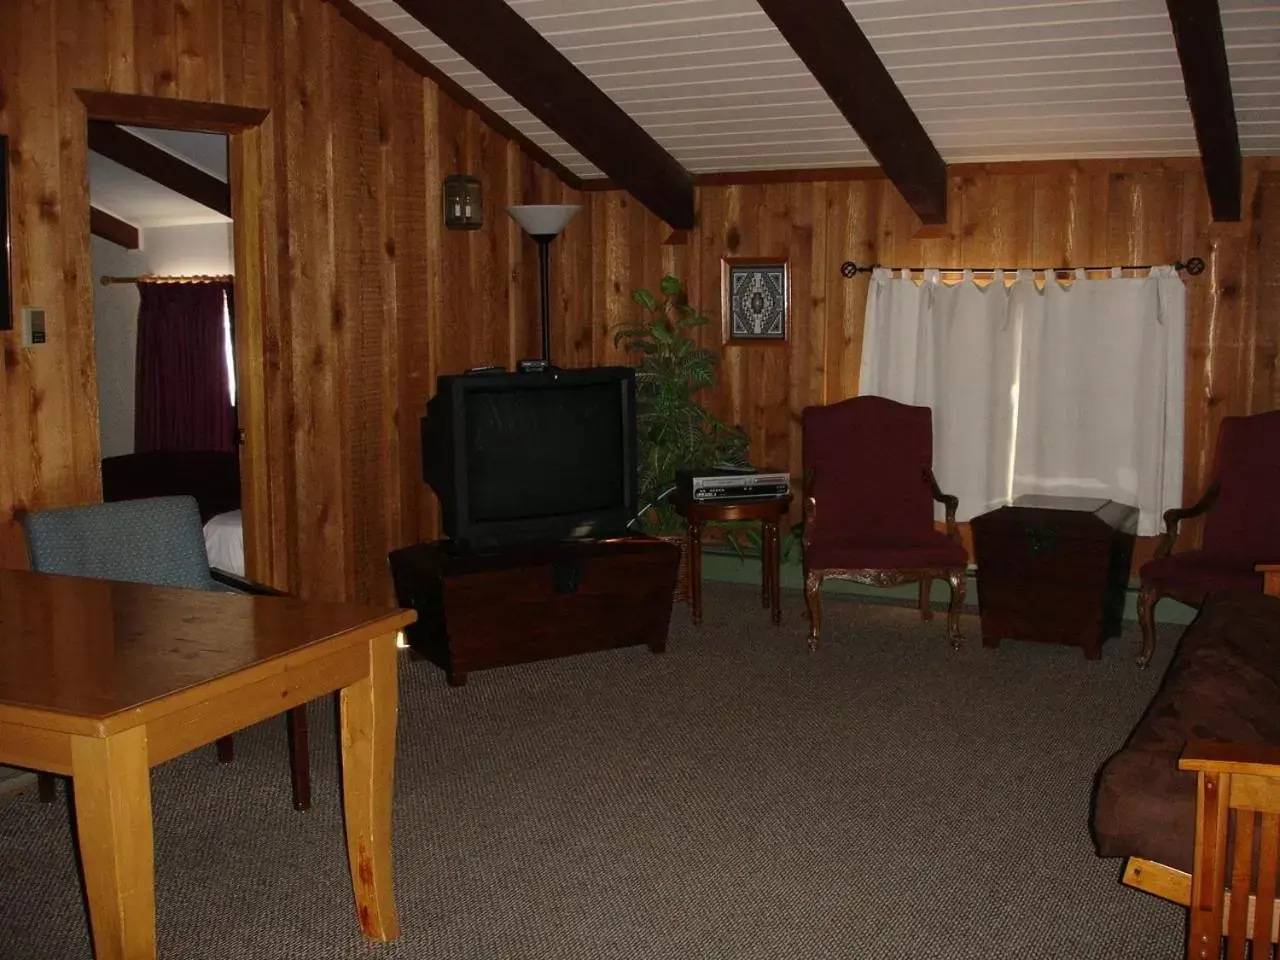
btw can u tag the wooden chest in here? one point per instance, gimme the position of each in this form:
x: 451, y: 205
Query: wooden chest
x: 515, y: 605
x: 1054, y: 569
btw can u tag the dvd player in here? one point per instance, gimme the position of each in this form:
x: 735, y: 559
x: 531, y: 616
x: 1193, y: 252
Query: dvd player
x: 728, y: 483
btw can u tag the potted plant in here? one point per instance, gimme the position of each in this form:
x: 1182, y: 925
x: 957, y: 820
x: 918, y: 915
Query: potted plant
x: 675, y: 431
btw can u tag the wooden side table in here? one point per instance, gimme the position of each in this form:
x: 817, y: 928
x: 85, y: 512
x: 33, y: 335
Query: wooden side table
x: 768, y: 511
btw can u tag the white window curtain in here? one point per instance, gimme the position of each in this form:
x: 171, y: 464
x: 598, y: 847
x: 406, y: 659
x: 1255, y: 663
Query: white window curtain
x: 1069, y: 389
x: 951, y: 347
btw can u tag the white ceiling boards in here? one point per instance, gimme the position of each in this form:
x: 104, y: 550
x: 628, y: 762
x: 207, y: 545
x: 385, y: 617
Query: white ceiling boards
x: 715, y: 83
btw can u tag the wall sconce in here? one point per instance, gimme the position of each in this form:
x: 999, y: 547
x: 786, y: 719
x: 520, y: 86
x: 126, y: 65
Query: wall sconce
x: 463, y: 202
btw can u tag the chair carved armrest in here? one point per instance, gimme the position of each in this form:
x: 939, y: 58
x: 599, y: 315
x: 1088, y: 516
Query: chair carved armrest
x: 244, y: 586
x: 951, y: 503
x: 810, y: 505
x: 1175, y: 516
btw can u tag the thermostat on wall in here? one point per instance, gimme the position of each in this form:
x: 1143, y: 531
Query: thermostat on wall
x: 33, y: 333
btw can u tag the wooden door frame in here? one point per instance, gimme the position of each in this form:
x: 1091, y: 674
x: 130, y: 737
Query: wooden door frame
x: 243, y: 128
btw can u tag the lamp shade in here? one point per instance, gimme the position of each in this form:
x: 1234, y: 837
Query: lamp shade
x: 543, y: 219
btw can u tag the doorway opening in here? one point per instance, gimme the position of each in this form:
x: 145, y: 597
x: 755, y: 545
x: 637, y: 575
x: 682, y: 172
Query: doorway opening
x: 162, y: 255
x: 178, y: 328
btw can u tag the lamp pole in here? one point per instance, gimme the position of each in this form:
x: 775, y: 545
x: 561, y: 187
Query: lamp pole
x: 544, y: 222
x: 543, y: 241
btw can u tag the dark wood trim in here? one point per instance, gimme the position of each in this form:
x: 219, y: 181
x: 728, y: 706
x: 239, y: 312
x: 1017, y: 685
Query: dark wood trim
x: 143, y: 111
x: 806, y: 175
x: 825, y: 36
x: 502, y: 45
x: 425, y: 68
x: 104, y: 225
x: 1197, y: 31
x: 129, y: 150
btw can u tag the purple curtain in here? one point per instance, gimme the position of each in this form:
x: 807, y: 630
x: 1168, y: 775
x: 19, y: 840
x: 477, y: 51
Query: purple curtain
x: 182, y: 400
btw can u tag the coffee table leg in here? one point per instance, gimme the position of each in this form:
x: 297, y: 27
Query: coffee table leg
x: 695, y: 568
x: 368, y: 767
x: 112, y: 787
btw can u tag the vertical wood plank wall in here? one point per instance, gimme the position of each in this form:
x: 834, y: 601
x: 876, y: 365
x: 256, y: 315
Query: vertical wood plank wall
x: 367, y: 297
x: 1028, y: 214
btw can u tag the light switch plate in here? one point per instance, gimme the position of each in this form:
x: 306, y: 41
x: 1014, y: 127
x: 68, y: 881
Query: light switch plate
x: 33, y: 330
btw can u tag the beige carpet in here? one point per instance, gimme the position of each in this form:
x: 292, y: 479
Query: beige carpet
x: 735, y: 797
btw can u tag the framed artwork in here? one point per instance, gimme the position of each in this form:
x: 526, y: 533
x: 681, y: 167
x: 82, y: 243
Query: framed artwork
x: 6, y: 300
x: 756, y: 300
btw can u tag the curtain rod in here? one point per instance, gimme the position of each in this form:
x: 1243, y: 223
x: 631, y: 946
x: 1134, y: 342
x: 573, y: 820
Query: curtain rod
x: 1194, y: 266
x: 149, y: 278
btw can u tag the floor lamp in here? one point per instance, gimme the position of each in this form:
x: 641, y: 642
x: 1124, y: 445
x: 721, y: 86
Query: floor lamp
x: 543, y: 222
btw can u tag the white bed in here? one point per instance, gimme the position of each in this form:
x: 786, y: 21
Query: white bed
x: 224, y: 542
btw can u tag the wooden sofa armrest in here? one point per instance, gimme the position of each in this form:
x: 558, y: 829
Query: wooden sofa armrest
x: 1230, y: 900
x: 1214, y: 758
x: 1270, y: 578
x: 229, y: 579
x: 1209, y: 756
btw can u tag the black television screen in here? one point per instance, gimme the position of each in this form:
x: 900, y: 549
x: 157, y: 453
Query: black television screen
x: 542, y: 453
x: 517, y: 457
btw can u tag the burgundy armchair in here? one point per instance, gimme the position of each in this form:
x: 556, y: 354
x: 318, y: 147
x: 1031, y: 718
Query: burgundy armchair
x: 868, y: 505
x: 1241, y: 526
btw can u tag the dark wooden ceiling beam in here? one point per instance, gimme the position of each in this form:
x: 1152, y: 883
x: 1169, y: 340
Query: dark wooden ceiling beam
x: 130, y: 150
x: 1197, y: 31
x: 826, y: 37
x: 502, y: 45
x: 104, y: 225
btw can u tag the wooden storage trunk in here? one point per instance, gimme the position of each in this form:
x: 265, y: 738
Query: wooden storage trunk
x: 519, y: 604
x: 1054, y: 569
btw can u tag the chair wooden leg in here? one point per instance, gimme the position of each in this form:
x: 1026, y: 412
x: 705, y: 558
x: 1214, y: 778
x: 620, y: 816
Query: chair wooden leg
x: 958, y: 582
x: 926, y: 608
x: 299, y: 758
x: 226, y: 749
x: 46, y: 787
x: 1148, y: 597
x: 813, y: 603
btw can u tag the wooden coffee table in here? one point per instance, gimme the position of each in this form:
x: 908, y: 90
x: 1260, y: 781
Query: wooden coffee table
x: 769, y: 511
x: 102, y: 681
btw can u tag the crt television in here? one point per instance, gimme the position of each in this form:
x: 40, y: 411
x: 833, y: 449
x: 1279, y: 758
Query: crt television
x: 532, y: 457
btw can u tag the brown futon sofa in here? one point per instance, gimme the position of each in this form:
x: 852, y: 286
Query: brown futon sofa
x: 1202, y: 770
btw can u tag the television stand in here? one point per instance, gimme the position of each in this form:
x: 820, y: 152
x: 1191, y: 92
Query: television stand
x: 520, y: 604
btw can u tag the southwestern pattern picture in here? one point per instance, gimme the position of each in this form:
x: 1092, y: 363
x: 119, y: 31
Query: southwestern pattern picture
x: 756, y: 300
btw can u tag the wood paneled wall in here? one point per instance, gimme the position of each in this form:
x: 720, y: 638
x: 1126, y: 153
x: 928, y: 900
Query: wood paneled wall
x: 366, y: 297
x: 1029, y: 214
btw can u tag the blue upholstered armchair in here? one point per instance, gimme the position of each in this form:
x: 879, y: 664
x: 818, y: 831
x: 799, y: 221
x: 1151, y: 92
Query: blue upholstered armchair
x: 158, y: 541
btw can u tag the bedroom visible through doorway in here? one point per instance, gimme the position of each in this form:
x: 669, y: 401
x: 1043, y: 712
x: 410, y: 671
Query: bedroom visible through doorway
x: 162, y: 265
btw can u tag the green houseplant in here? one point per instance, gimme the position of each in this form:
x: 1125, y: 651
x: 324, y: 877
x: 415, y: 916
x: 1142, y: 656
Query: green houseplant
x: 675, y: 431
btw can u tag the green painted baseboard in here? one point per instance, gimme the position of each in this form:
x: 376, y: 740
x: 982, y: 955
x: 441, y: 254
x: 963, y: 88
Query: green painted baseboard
x: 730, y: 568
